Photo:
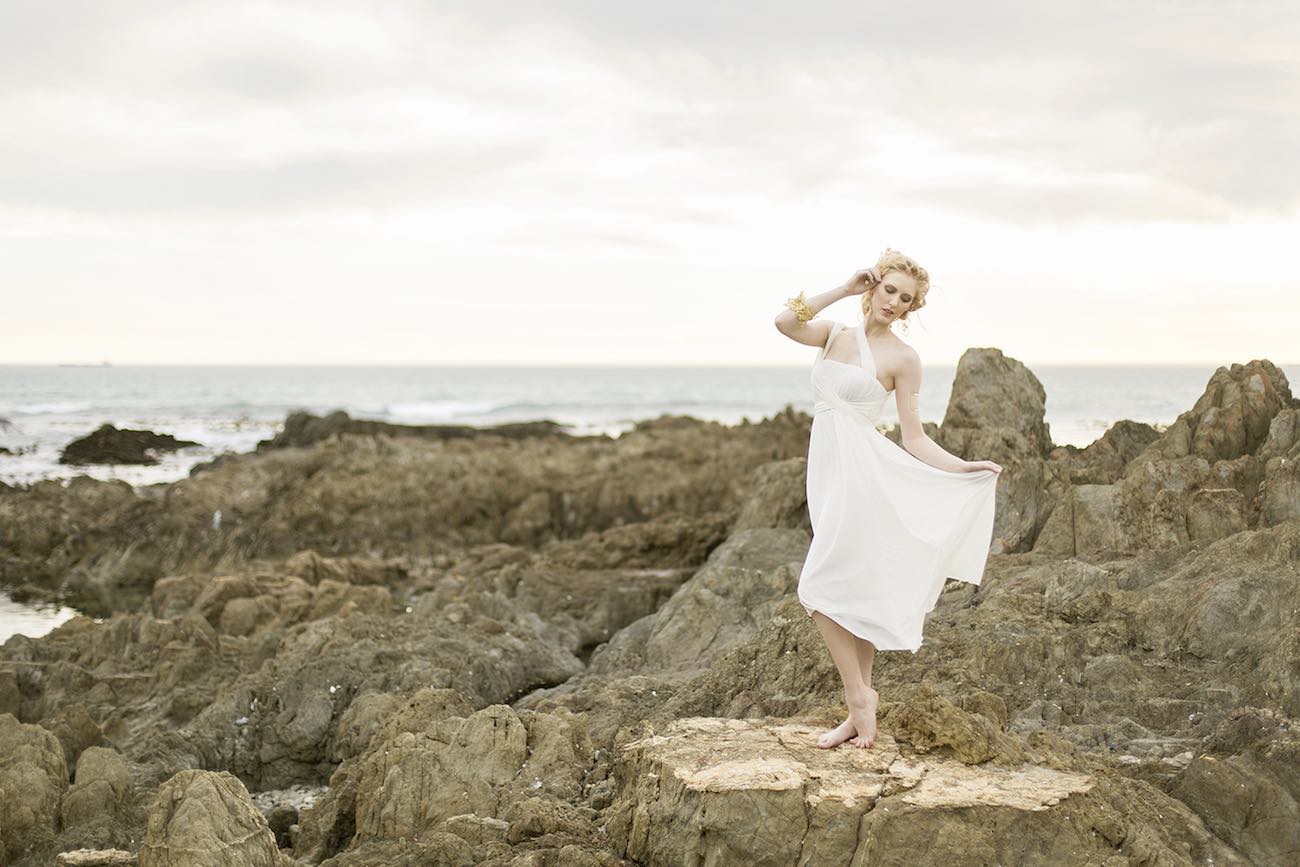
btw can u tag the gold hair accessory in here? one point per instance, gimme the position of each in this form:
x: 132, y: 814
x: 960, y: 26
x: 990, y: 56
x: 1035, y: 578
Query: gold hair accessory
x: 800, y: 307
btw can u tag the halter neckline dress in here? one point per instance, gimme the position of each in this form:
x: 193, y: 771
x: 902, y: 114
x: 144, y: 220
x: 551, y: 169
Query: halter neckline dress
x: 888, y: 528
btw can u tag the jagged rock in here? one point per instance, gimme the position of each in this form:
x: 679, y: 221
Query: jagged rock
x: 110, y: 445
x: 1103, y: 461
x: 75, y: 729
x: 723, y: 604
x: 749, y: 792
x: 435, y: 849
x: 385, y: 715
x: 414, y: 782
x: 1278, y: 498
x: 1235, y: 603
x: 996, y: 410
x: 313, y: 568
x: 207, y: 818
x: 778, y: 497
x: 1083, y: 522
x: 928, y: 721
x: 276, y: 726
x: 1231, y: 417
x: 100, y: 809
x: 304, y: 429
x: 355, y: 495
x: 33, y: 779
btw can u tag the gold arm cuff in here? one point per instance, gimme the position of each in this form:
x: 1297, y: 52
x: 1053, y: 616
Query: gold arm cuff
x: 800, y: 307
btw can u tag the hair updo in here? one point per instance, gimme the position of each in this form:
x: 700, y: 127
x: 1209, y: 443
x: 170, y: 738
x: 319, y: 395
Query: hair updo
x: 892, y: 260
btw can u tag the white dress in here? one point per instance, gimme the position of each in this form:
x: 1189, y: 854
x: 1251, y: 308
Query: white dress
x: 888, y: 528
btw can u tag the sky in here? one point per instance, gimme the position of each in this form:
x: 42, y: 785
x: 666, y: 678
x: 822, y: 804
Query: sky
x: 582, y: 181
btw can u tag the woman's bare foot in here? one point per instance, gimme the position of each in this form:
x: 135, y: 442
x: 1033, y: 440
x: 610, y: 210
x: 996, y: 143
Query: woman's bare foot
x: 863, y: 718
x: 837, y: 735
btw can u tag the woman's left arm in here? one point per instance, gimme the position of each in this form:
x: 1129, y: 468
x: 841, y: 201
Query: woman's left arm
x: 907, y: 394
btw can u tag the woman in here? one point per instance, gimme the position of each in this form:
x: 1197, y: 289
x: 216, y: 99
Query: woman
x: 889, y: 523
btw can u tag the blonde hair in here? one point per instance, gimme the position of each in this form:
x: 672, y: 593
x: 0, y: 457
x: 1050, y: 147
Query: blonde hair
x: 892, y: 260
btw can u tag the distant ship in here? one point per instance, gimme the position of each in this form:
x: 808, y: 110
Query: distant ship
x: 101, y: 364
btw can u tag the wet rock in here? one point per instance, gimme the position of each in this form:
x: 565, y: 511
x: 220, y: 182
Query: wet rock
x: 110, y: 445
x: 304, y: 429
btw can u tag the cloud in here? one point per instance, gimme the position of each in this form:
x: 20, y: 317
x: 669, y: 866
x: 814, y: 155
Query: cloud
x: 1064, y: 111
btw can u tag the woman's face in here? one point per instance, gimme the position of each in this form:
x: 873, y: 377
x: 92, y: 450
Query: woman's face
x: 893, y: 295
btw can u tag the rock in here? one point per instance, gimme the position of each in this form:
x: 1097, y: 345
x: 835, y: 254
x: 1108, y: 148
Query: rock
x: 33, y: 779
x: 996, y: 410
x: 778, y: 497
x: 293, y: 705
x: 1231, y: 417
x: 413, y: 783
x: 207, y: 818
x: 110, y: 445
x: 96, y: 858
x: 662, y: 496
x: 750, y: 792
x: 1236, y: 603
x: 100, y: 809
x: 1278, y: 498
x: 928, y: 721
x: 720, y: 606
x: 304, y: 429
x: 1083, y: 522
x: 1105, y: 459
x: 436, y: 849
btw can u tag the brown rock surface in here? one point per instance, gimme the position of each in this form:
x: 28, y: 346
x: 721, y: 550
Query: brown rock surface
x: 750, y: 792
x: 487, y: 646
x: 207, y: 818
x: 110, y: 445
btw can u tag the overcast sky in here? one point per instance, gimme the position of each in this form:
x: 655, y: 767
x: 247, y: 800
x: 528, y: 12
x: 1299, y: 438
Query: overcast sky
x: 617, y: 182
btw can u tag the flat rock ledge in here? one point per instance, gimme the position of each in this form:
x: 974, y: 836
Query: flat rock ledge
x: 729, y: 791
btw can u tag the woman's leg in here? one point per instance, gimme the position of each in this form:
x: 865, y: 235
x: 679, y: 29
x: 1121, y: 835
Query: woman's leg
x: 861, y: 698
x: 866, y: 656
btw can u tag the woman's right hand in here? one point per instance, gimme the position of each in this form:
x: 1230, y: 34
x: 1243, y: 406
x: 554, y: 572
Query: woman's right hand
x: 862, y: 281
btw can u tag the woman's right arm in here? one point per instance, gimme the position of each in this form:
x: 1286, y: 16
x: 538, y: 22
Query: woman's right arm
x: 812, y: 332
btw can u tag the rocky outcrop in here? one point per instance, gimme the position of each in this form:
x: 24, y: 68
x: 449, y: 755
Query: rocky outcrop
x: 997, y: 412
x: 33, y: 780
x: 722, y: 605
x: 385, y: 497
x: 110, y: 445
x: 304, y: 429
x: 712, y: 790
x: 1222, y: 467
x: 490, y: 779
x: 548, y: 650
x: 207, y: 818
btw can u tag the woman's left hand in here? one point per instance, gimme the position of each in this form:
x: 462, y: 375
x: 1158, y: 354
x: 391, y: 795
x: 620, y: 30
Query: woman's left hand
x: 975, y: 466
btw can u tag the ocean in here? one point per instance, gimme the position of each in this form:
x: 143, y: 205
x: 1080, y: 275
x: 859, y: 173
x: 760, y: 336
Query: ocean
x: 229, y: 409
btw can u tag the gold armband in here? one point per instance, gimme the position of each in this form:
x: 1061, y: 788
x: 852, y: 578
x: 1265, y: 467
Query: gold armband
x: 800, y: 307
